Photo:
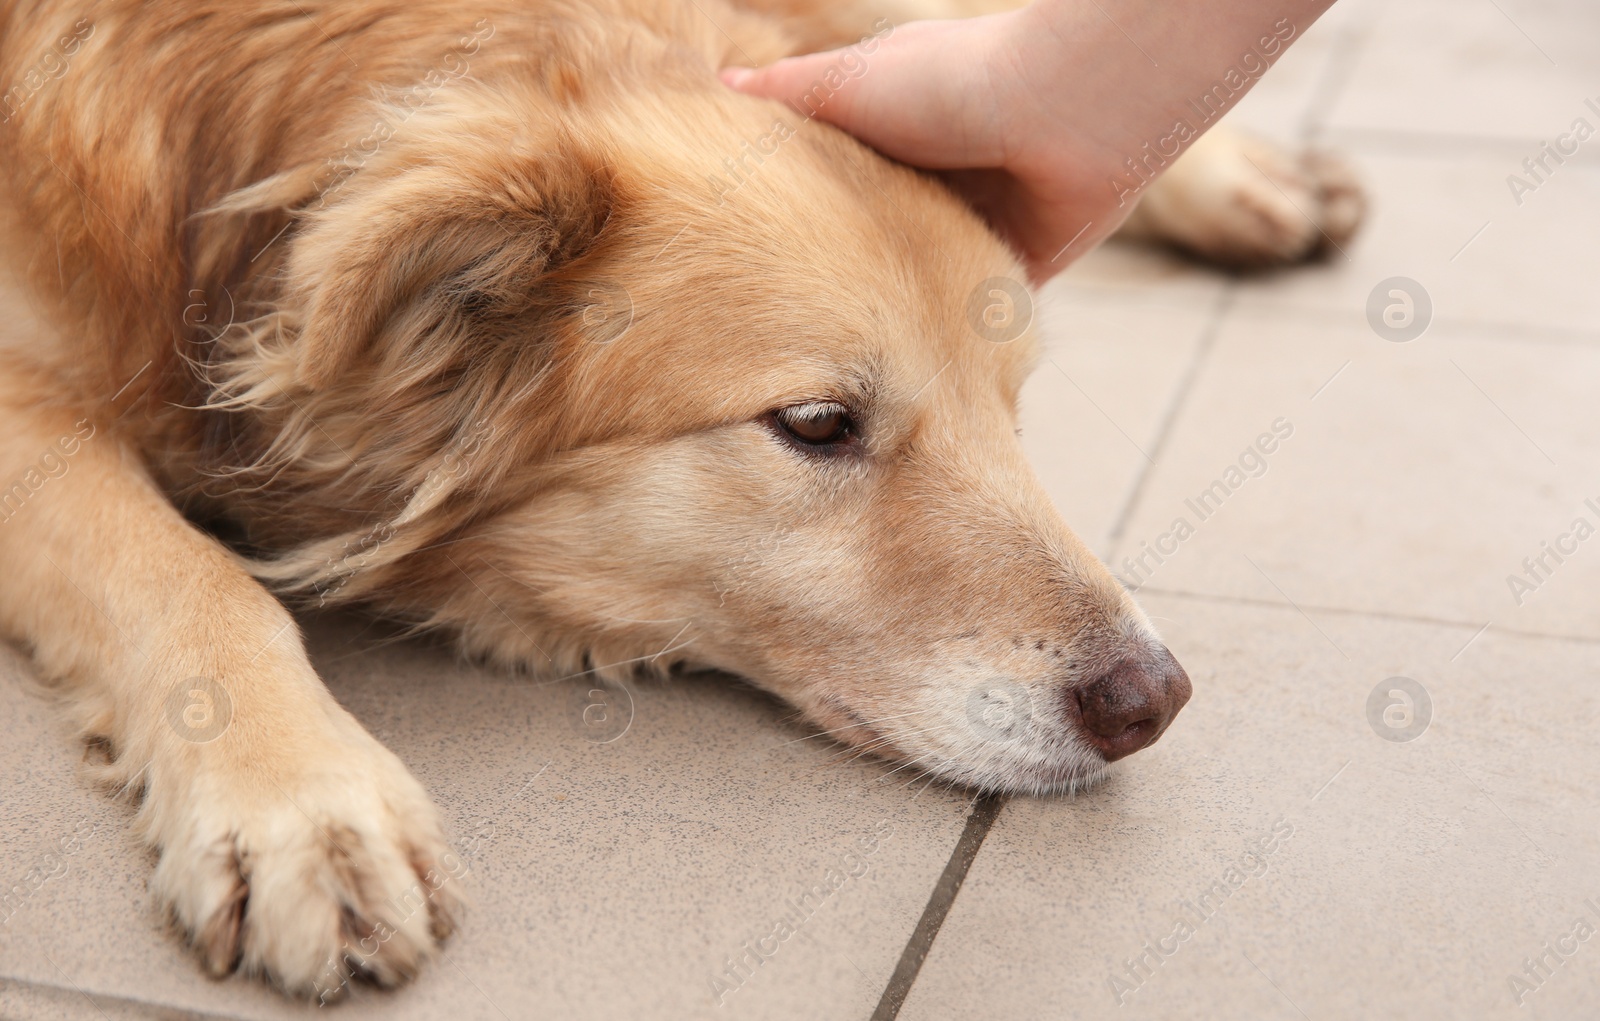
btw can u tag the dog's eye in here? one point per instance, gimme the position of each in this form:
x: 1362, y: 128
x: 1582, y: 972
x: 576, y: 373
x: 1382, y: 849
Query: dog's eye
x: 819, y: 424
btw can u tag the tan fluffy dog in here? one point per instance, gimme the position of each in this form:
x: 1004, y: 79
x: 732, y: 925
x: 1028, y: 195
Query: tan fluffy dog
x: 507, y: 318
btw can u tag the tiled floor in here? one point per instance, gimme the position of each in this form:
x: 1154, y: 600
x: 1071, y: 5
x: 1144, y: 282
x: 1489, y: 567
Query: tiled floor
x: 1272, y: 856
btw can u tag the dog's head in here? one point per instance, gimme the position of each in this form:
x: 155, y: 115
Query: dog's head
x: 687, y: 378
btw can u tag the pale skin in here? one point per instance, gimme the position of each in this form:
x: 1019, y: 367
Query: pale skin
x: 1031, y: 113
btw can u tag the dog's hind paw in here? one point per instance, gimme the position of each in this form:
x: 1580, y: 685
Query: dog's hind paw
x: 1245, y: 203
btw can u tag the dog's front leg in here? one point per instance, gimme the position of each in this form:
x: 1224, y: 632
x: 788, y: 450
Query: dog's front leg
x: 291, y: 842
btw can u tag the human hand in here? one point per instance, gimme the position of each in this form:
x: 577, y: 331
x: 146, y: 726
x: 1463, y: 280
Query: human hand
x: 1034, y: 116
x: 945, y: 96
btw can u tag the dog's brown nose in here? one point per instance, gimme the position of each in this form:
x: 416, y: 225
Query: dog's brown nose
x: 1129, y: 706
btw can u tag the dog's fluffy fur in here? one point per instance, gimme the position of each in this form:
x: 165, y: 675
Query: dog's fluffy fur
x: 431, y: 308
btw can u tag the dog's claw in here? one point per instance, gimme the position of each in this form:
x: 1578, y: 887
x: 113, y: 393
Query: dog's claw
x: 219, y: 941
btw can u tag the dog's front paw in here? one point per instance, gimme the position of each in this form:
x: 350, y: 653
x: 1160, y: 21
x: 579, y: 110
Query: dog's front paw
x: 312, y: 861
x: 1243, y: 202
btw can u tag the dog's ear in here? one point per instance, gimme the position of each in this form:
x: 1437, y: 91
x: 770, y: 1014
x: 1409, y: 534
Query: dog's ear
x: 439, y: 245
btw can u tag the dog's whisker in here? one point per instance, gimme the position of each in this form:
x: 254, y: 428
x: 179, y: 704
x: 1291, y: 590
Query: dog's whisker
x: 892, y: 772
x: 853, y: 726
x: 850, y: 753
x: 847, y: 755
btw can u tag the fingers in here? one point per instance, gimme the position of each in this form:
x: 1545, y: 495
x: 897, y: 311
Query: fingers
x: 815, y: 85
x: 943, y: 96
x: 921, y: 94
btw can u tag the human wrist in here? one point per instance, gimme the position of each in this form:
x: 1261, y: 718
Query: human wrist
x: 1065, y: 106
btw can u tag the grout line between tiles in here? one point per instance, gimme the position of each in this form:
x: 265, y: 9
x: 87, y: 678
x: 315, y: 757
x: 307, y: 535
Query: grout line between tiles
x: 984, y: 811
x: 1191, y: 372
x: 1413, y: 142
x: 1335, y: 77
x: 1252, y: 302
x: 118, y: 1002
x: 1343, y: 611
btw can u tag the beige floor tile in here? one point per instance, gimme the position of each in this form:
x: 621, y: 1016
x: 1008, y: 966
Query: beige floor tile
x: 611, y: 880
x: 1399, y: 880
x: 1512, y: 68
x: 1093, y: 410
x: 1416, y: 482
x: 1449, y: 223
x: 1146, y: 275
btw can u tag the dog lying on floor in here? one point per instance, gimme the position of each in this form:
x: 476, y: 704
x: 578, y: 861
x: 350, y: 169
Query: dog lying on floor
x: 430, y: 307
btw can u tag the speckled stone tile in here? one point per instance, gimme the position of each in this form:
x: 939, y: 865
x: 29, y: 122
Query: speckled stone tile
x: 1280, y: 859
x: 1416, y: 477
x: 610, y: 879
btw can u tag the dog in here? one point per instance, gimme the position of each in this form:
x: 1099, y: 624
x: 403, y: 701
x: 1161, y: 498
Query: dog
x: 507, y: 319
